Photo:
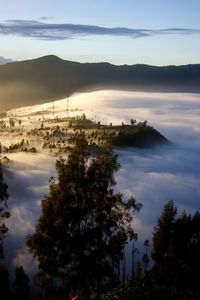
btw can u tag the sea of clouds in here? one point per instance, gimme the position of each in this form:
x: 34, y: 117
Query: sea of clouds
x: 152, y: 176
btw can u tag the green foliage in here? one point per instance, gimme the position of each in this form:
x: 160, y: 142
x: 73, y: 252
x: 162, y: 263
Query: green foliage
x: 84, y: 226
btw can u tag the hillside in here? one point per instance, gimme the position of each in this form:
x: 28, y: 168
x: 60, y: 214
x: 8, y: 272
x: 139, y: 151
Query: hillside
x: 57, y: 134
x: 41, y: 80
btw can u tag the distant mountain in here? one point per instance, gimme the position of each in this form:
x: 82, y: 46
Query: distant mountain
x: 4, y: 60
x: 44, y: 79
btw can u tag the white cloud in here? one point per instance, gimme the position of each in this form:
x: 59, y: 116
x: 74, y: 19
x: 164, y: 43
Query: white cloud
x: 4, y: 60
x: 153, y: 176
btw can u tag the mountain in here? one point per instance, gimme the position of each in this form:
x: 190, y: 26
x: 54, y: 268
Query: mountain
x: 43, y: 79
x: 4, y: 60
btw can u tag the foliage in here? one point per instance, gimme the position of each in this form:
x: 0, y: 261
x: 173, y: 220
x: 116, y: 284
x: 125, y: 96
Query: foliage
x: 84, y: 224
x: 139, y: 135
x: 4, y: 274
x: 4, y: 284
x: 176, y: 252
x: 3, y: 212
x: 21, y: 284
x: 139, y: 287
x: 162, y: 233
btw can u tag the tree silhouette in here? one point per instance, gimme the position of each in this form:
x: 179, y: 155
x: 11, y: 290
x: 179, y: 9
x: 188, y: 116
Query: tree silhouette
x: 3, y: 212
x: 4, y: 284
x: 162, y: 233
x: 84, y: 226
x: 21, y: 284
x: 176, y: 252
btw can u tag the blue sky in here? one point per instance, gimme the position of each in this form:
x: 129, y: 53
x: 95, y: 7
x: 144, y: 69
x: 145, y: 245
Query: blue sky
x: 154, y: 32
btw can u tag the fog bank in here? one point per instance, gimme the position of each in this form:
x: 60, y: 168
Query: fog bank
x: 153, y: 176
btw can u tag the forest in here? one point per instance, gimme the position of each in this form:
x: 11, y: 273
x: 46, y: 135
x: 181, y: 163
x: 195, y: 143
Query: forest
x: 80, y: 238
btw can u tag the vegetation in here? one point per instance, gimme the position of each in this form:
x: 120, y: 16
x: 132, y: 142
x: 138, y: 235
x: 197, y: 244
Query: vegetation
x: 3, y: 210
x: 21, y: 288
x: 4, y: 275
x: 21, y: 285
x: 84, y: 225
x: 56, y: 134
x: 176, y: 253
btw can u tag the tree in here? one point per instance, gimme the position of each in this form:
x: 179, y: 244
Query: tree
x: 4, y: 284
x: 11, y: 122
x: 145, y: 257
x: 162, y: 244
x: 21, y: 284
x: 3, y: 212
x: 162, y: 233
x: 4, y: 274
x: 84, y: 226
x: 176, y: 252
x: 132, y: 121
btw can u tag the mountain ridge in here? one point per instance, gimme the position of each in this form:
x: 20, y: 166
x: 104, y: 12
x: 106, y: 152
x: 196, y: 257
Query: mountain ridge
x: 47, y: 78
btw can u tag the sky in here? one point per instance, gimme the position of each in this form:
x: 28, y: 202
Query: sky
x: 155, y: 32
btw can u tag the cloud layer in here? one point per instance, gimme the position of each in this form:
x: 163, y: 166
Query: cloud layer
x: 53, y: 31
x: 4, y: 60
x: 153, y: 176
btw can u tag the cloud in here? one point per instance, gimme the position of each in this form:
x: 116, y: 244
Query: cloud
x: 153, y: 176
x: 27, y: 177
x: 25, y: 259
x: 52, y: 31
x: 4, y: 60
x: 45, y: 18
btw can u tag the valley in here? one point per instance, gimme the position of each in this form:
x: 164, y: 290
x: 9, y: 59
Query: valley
x: 152, y: 174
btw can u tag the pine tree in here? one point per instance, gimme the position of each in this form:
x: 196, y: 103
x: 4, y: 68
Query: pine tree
x: 84, y: 226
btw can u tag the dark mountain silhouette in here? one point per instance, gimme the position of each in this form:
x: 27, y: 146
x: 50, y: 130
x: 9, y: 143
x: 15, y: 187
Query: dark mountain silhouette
x: 50, y: 78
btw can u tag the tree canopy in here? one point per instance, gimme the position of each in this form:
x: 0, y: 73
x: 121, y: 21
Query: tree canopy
x: 84, y: 226
x: 176, y: 252
x: 3, y: 212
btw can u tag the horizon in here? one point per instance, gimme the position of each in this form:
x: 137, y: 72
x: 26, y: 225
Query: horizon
x: 90, y: 62
x: 132, y: 32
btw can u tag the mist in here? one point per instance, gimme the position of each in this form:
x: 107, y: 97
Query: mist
x: 153, y: 176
